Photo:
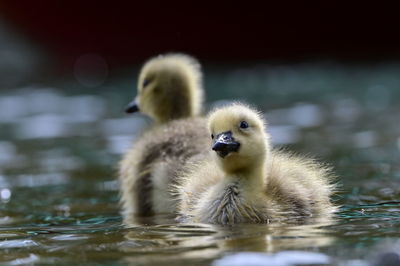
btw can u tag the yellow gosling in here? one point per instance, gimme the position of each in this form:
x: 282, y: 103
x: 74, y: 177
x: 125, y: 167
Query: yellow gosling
x: 245, y: 181
x: 170, y: 92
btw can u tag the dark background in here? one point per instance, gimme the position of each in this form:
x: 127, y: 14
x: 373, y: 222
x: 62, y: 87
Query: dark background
x: 127, y: 33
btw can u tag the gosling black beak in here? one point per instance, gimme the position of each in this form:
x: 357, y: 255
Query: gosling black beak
x: 132, y: 107
x: 225, y: 144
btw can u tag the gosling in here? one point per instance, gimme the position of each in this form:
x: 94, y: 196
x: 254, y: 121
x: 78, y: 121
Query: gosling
x: 245, y: 181
x: 170, y: 91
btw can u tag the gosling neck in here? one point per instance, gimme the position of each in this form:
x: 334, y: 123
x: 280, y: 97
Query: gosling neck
x: 253, y: 178
x: 256, y: 177
x: 176, y: 106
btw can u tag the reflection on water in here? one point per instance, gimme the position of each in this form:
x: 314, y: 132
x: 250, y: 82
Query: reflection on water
x: 59, y: 195
x: 282, y: 258
x: 205, y: 242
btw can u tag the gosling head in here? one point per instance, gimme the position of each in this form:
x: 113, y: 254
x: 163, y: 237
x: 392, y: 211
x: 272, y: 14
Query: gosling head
x: 169, y: 87
x: 238, y: 138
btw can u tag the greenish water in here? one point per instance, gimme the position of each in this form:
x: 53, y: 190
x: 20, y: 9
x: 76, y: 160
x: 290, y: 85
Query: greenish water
x: 59, y: 150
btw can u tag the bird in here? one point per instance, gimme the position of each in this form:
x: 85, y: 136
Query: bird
x: 245, y: 180
x: 170, y: 92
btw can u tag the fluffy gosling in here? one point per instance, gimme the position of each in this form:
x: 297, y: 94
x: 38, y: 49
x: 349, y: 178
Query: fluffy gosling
x: 170, y: 92
x: 245, y: 181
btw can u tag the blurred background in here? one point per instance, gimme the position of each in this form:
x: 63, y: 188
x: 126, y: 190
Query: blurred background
x: 326, y: 74
x: 53, y: 38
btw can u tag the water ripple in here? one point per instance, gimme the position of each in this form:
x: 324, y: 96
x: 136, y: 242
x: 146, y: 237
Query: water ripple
x: 17, y: 243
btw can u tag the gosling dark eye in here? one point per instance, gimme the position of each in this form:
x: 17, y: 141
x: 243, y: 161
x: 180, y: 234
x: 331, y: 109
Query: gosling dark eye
x: 212, y: 136
x: 244, y: 124
x: 145, y: 82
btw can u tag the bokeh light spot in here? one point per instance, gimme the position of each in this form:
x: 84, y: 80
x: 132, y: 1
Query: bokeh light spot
x: 91, y: 70
x: 5, y: 194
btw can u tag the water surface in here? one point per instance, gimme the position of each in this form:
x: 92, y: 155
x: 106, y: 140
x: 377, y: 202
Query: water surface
x: 59, y: 151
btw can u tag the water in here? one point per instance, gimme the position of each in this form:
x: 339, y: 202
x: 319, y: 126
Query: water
x: 59, y: 150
